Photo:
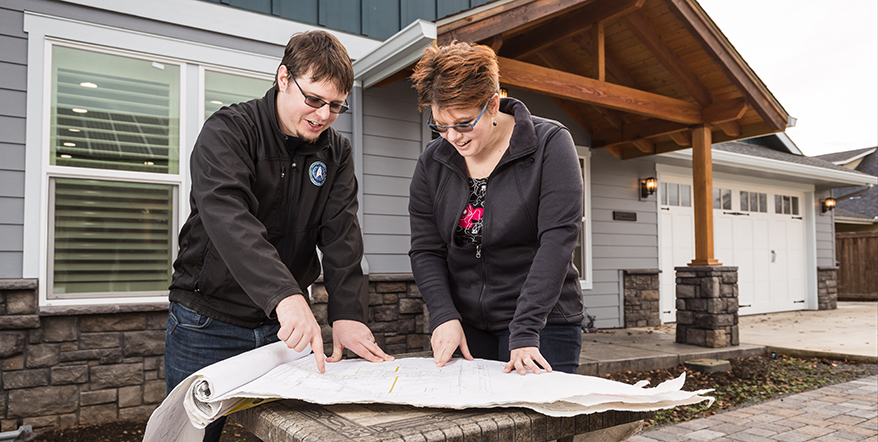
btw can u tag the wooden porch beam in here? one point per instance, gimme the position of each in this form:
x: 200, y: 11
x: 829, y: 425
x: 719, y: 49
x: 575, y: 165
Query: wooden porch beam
x: 653, y: 41
x: 601, y: 51
x: 725, y: 111
x: 702, y: 198
x: 730, y: 128
x: 502, y: 18
x: 555, y: 83
x: 644, y: 145
x: 649, y: 128
x: 586, y: 44
x: 570, y: 23
x: 682, y: 138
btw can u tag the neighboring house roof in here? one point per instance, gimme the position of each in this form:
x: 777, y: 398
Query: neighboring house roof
x: 767, y: 152
x: 864, y: 205
x: 846, y: 156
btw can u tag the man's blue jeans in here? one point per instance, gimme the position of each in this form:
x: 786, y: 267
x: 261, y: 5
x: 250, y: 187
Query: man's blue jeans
x: 560, y: 344
x: 194, y: 341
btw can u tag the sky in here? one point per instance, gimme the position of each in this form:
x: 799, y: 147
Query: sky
x: 820, y: 60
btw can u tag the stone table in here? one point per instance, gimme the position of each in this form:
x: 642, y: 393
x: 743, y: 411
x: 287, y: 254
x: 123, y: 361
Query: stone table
x: 293, y: 420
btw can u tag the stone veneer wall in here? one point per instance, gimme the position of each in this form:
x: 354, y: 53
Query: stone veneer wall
x: 827, y: 288
x: 642, y: 298
x: 84, y: 365
x: 707, y: 306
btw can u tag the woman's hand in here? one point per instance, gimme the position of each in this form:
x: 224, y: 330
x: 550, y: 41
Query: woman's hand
x: 526, y: 357
x: 446, y: 338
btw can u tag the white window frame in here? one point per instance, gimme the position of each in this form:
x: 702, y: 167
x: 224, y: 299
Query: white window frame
x: 586, y: 281
x: 44, y: 31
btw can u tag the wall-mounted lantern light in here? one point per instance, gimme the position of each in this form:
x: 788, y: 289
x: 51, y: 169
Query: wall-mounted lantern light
x: 828, y: 204
x: 647, y: 187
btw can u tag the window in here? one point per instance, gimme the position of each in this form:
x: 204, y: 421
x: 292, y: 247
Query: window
x: 754, y: 202
x: 110, y: 236
x: 722, y: 199
x: 676, y: 195
x: 106, y: 178
x: 787, y: 205
x: 111, y: 114
x: 222, y: 89
x: 582, y: 253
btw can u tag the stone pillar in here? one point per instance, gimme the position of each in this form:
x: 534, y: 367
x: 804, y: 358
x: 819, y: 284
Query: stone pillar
x: 397, y: 314
x: 707, y: 306
x: 642, y: 305
x: 827, y: 288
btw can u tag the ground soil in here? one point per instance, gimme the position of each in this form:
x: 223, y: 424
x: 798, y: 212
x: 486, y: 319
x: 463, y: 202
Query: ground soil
x: 750, y: 381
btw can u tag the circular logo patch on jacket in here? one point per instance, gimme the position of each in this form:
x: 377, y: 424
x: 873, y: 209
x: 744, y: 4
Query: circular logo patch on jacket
x: 317, y: 173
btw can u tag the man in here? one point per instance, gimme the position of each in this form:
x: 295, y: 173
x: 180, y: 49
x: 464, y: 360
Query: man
x: 271, y: 181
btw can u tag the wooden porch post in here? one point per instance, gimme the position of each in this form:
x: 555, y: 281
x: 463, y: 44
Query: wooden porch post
x: 702, y: 186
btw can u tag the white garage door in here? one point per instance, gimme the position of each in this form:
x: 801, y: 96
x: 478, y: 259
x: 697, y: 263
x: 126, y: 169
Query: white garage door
x: 759, y: 230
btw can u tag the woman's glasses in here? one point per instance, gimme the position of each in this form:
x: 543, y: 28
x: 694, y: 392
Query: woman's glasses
x: 460, y: 128
x: 317, y: 103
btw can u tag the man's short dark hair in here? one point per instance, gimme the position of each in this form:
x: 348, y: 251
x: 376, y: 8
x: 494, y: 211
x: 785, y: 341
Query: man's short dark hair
x: 321, y: 54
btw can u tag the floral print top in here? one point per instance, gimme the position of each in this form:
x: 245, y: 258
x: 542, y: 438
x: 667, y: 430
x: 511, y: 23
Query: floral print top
x: 469, y: 227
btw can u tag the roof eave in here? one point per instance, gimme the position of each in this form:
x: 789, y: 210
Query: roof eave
x: 784, y: 168
x: 395, y: 54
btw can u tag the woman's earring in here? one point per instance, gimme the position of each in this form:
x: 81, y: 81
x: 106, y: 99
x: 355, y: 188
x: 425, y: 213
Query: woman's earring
x: 495, y: 122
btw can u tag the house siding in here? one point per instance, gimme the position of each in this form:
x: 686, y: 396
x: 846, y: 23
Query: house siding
x: 372, y: 18
x: 393, y: 138
x: 13, y: 96
x: 825, y: 233
x: 618, y: 245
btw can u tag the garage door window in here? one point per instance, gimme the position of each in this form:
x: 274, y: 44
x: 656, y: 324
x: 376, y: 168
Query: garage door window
x: 787, y: 205
x: 676, y: 195
x: 754, y: 202
x: 722, y: 199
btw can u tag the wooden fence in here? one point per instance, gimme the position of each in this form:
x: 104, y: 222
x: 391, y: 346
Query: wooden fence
x: 857, y: 255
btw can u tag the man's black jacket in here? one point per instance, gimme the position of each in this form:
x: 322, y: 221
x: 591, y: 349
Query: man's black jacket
x: 261, y: 202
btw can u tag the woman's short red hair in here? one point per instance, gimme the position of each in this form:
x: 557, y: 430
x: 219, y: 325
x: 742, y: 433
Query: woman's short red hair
x: 456, y: 76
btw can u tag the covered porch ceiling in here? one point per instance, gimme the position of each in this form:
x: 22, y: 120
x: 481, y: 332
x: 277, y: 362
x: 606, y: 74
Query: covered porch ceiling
x: 639, y: 75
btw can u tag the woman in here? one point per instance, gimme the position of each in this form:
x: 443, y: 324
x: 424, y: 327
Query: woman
x: 495, y: 208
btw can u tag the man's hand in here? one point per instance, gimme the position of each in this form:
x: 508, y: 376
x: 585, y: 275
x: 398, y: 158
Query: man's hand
x: 298, y: 328
x: 446, y: 338
x: 356, y: 336
x: 526, y: 357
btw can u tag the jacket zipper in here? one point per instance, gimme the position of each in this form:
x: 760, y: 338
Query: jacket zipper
x: 289, y: 190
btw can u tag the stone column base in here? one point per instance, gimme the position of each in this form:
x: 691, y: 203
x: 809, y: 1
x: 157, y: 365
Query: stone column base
x: 707, y: 306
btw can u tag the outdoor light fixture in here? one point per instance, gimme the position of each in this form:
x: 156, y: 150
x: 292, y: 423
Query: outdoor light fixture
x: 828, y: 204
x: 647, y: 187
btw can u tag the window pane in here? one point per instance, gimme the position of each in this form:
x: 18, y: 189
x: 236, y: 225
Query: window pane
x: 673, y: 196
x: 222, y: 89
x: 795, y: 201
x: 763, y: 202
x: 745, y: 202
x: 778, y: 204
x: 685, y: 195
x: 717, y: 198
x: 727, y: 199
x: 786, y: 205
x: 110, y: 237
x: 665, y: 194
x: 114, y: 112
x: 754, y: 202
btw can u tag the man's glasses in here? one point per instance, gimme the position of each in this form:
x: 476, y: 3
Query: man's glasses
x: 317, y: 103
x: 460, y: 128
